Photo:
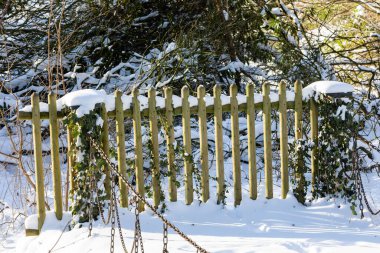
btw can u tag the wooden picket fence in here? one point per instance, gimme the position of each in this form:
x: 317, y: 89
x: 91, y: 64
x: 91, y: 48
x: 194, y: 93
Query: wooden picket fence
x: 201, y: 109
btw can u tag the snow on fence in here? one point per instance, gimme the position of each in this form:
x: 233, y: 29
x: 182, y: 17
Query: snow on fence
x: 136, y: 106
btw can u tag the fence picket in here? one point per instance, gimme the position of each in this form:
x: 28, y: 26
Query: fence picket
x: 55, y: 163
x: 70, y: 162
x: 235, y: 145
x: 267, y: 142
x: 284, y: 155
x: 188, y: 166
x: 120, y: 139
x: 170, y: 144
x: 38, y: 164
x: 202, y: 120
x: 252, y: 170
x: 155, y: 151
x: 298, y: 124
x: 219, y: 155
x: 105, y: 148
x: 314, y: 138
x: 139, y: 160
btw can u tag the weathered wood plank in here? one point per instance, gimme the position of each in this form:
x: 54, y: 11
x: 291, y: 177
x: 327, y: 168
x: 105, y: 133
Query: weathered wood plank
x: 284, y: 154
x: 252, y: 170
x: 314, y: 138
x: 120, y: 139
x: 155, y: 151
x: 139, y: 159
x: 55, y: 163
x: 70, y: 159
x: 219, y: 154
x: 170, y: 143
x: 298, y: 124
x: 235, y: 145
x: 189, y: 194
x: 38, y: 165
x: 176, y: 111
x: 105, y: 148
x: 267, y: 142
x: 203, y: 142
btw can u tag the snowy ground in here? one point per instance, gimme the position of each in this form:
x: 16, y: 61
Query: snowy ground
x: 276, y: 225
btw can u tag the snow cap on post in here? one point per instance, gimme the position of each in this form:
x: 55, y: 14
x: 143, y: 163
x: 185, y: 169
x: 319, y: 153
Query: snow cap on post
x: 330, y: 88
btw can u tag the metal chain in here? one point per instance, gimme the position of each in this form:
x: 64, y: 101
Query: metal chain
x: 112, y: 247
x: 137, y: 225
x: 365, y: 197
x: 359, y: 191
x: 137, y: 236
x: 116, y: 212
x: 359, y: 183
x: 165, y: 238
x: 101, y: 211
x: 92, y: 180
x: 141, y: 198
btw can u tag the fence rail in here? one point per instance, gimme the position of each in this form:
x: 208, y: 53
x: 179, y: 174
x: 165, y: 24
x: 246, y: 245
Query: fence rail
x: 170, y: 106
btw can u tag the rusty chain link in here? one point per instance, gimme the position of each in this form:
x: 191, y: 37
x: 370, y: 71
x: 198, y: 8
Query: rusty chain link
x: 137, y: 236
x: 112, y: 247
x: 142, y: 198
x: 165, y: 238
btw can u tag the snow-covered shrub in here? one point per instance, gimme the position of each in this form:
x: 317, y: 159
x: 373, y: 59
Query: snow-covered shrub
x: 88, y: 195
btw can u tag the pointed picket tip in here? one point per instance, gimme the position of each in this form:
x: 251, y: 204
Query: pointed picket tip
x: 233, y: 90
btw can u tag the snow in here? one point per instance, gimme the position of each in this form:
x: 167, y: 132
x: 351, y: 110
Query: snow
x: 31, y: 222
x: 226, y: 15
x: 233, y: 66
x: 150, y: 15
x: 276, y: 11
x: 7, y: 100
x: 83, y: 101
x: 261, y: 225
x: 326, y: 87
x: 21, y: 81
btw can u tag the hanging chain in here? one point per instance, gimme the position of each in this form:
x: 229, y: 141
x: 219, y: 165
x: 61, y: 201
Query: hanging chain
x: 359, y: 183
x: 101, y: 211
x: 116, y: 213
x: 92, y: 180
x: 112, y: 248
x: 365, y: 197
x: 137, y: 235
x: 165, y: 238
x: 91, y: 217
x: 141, y: 198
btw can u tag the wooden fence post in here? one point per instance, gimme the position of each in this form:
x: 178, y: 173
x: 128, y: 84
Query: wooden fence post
x: 189, y: 195
x: 105, y: 148
x: 252, y: 170
x: 219, y: 155
x: 120, y: 139
x: 203, y: 142
x: 155, y: 151
x: 55, y: 164
x: 314, y: 138
x: 70, y: 163
x: 284, y: 155
x: 267, y: 141
x: 298, y: 125
x: 235, y: 144
x: 170, y: 144
x: 38, y: 165
x: 139, y: 160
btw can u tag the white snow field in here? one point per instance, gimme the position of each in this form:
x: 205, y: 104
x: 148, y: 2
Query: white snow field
x: 261, y: 225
